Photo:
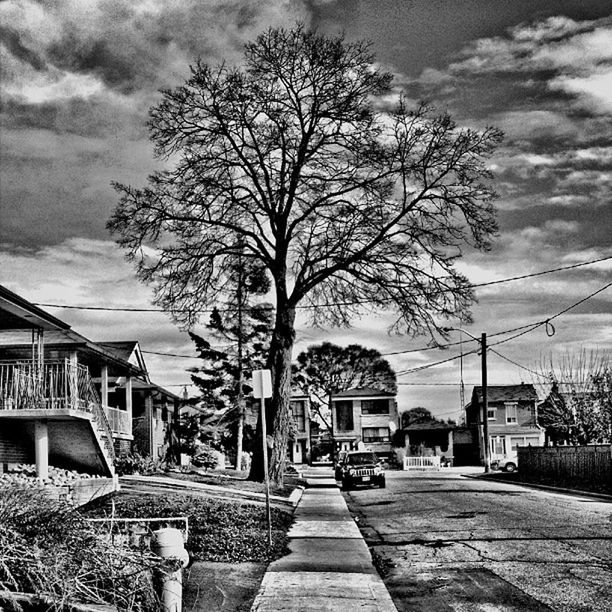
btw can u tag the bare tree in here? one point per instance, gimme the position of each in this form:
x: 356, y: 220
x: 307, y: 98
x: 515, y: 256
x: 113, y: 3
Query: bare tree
x: 578, y: 406
x: 348, y: 207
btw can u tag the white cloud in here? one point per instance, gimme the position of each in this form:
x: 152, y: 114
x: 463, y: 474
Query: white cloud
x: 594, y: 90
x: 56, y: 86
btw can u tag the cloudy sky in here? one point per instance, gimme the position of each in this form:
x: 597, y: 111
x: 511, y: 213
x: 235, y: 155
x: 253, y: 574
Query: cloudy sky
x: 78, y: 77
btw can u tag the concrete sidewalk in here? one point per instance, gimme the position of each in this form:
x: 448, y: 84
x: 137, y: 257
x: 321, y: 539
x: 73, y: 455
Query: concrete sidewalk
x: 329, y: 567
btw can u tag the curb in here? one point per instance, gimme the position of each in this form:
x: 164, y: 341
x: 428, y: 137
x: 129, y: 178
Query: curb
x: 296, y: 495
x: 531, y: 485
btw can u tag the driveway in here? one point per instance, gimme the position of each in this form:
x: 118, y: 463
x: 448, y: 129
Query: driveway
x: 445, y: 542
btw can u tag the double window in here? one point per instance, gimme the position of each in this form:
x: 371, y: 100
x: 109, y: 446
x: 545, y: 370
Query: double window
x: 511, y: 408
x: 375, y: 434
x: 375, y: 406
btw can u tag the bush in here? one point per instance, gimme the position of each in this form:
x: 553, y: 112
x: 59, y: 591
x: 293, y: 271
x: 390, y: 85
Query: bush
x: 135, y: 463
x: 47, y: 548
x: 206, y: 458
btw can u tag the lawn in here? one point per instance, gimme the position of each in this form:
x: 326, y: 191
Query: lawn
x: 219, y: 530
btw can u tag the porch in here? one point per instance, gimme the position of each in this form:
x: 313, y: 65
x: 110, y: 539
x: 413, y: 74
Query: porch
x: 40, y: 401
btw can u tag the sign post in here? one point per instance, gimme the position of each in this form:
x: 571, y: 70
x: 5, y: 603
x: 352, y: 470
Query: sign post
x: 262, y: 388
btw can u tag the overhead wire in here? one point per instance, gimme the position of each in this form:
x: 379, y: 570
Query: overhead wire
x: 345, y: 303
x: 528, y: 329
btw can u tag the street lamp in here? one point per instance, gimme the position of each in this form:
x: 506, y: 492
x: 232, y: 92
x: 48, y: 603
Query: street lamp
x: 485, y: 412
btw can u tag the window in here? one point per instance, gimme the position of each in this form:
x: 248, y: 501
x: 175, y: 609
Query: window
x: 491, y: 415
x: 511, y: 412
x: 375, y: 434
x: 376, y: 406
x: 344, y: 416
x: 498, y: 445
x: 299, y: 415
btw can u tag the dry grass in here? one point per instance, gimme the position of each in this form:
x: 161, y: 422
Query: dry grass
x: 47, y: 548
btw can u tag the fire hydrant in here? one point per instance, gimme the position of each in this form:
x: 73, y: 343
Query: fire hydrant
x: 168, y: 544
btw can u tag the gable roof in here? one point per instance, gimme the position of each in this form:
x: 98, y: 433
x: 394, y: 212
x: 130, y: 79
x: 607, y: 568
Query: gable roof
x: 506, y: 393
x: 17, y: 313
x: 128, y: 350
x: 363, y: 392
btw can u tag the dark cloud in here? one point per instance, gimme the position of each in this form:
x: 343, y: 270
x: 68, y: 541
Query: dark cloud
x: 12, y: 40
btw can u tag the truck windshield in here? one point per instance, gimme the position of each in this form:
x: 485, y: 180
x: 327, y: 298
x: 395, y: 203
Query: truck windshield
x: 362, y: 458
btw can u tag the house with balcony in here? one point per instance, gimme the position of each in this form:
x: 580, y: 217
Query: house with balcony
x: 512, y: 419
x: 65, y: 400
x: 363, y: 419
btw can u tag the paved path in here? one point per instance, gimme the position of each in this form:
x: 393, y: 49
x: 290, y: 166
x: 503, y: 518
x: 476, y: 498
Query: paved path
x: 329, y: 568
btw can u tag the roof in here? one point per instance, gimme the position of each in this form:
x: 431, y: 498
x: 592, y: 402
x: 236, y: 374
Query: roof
x: 123, y: 350
x: 128, y: 350
x: 17, y: 313
x: 427, y: 425
x: 364, y: 392
x: 507, y: 393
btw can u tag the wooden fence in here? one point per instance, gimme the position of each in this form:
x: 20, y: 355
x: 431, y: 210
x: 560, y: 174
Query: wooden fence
x: 565, y: 464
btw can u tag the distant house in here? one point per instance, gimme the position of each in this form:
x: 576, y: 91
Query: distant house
x: 299, y: 444
x: 433, y: 438
x: 364, y: 419
x: 511, y: 419
x: 64, y: 400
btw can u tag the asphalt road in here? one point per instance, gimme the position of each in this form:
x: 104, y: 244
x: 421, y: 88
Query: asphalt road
x: 444, y: 542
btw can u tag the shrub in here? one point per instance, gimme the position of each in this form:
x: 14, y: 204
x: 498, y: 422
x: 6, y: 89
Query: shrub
x: 135, y: 463
x: 48, y: 548
x: 206, y: 458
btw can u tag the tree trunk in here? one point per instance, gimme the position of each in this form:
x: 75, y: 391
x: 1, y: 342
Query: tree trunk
x: 278, y: 413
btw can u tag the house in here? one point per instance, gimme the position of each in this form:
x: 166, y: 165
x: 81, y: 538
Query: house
x: 299, y: 444
x: 364, y: 419
x: 64, y: 400
x: 511, y: 418
x: 434, y: 438
x: 155, y: 410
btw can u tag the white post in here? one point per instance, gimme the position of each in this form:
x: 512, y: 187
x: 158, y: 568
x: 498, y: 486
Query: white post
x: 265, y: 465
x: 128, y: 400
x: 104, y: 386
x: 262, y: 388
x: 41, y: 449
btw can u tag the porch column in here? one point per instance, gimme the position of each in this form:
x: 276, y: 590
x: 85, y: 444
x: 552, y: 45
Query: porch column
x: 128, y: 398
x: 73, y: 385
x: 41, y: 449
x: 104, y: 386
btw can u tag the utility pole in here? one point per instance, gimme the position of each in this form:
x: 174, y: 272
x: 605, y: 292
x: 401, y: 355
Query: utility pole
x: 485, y: 407
x: 486, y: 451
x: 240, y: 396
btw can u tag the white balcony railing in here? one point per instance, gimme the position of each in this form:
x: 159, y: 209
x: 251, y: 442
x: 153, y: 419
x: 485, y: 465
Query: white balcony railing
x: 59, y: 385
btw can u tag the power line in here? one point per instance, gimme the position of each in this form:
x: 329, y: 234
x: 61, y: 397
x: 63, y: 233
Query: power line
x: 347, y: 303
x: 523, y: 329
x: 527, y: 329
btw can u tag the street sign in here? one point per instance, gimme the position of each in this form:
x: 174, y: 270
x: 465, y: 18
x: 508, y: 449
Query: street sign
x: 262, y: 383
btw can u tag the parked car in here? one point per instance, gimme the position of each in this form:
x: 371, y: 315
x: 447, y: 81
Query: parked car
x: 360, y: 468
x: 507, y: 464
